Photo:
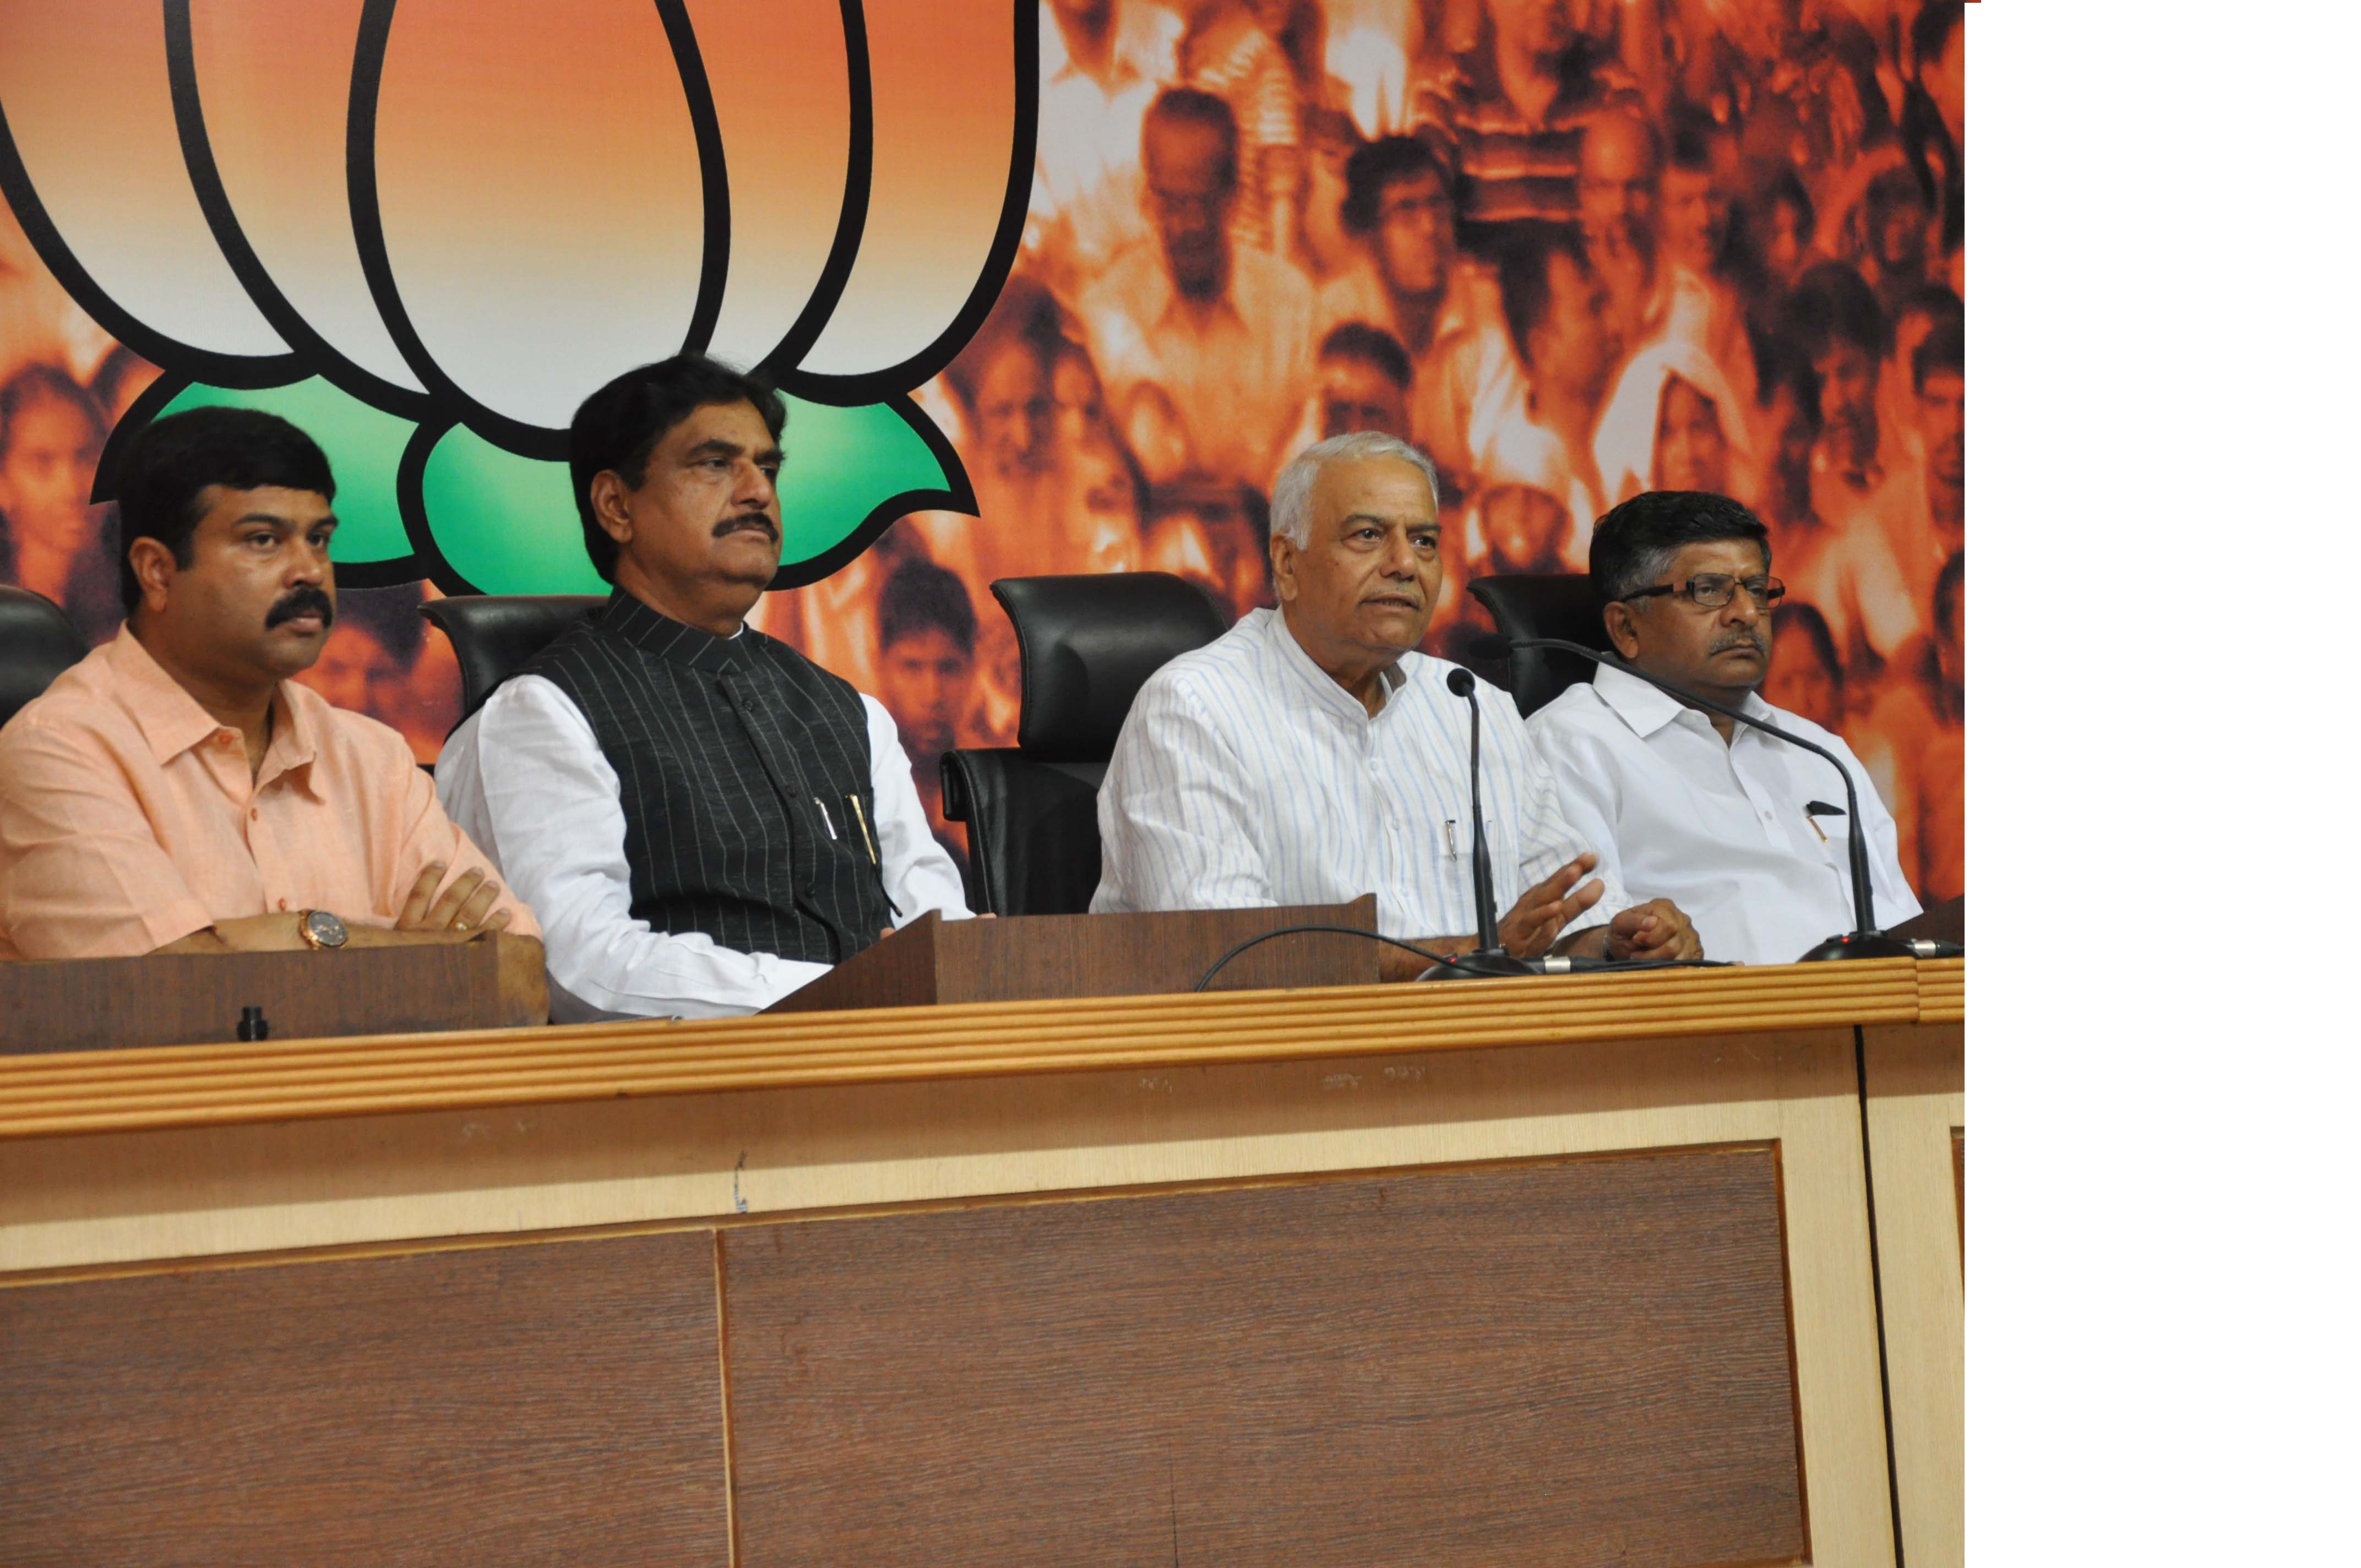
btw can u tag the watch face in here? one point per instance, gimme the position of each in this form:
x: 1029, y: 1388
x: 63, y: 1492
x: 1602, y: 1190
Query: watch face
x: 326, y: 928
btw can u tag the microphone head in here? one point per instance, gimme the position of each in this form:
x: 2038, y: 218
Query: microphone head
x: 1489, y: 646
x: 1461, y: 683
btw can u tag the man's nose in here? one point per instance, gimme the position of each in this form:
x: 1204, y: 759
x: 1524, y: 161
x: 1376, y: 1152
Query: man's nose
x: 1400, y: 559
x: 307, y: 563
x: 755, y: 487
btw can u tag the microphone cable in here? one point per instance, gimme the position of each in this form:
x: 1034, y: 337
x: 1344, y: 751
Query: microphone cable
x: 1574, y: 965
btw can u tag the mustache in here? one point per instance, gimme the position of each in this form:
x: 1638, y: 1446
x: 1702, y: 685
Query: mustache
x: 746, y: 520
x: 305, y: 600
x: 1742, y: 640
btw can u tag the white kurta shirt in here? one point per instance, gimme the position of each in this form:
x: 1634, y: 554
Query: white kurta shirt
x: 526, y: 775
x: 1719, y: 829
x: 1245, y: 776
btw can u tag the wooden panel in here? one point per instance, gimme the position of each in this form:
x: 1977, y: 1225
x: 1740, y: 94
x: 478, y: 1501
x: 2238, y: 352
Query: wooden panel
x: 1023, y: 958
x: 1915, y: 1091
x: 548, y: 1404
x: 216, y: 1086
x: 88, y: 1004
x: 1960, y: 1187
x: 1565, y: 1362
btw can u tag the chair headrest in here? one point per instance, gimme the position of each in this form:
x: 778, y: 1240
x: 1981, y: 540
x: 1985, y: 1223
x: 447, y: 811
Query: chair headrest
x: 1087, y: 644
x: 497, y: 635
x: 38, y: 644
x: 1553, y: 605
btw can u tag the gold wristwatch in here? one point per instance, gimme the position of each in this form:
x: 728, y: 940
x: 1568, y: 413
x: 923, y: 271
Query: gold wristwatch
x: 321, y: 929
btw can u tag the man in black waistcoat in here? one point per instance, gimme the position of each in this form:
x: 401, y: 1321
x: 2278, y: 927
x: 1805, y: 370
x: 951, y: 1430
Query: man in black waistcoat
x: 704, y: 818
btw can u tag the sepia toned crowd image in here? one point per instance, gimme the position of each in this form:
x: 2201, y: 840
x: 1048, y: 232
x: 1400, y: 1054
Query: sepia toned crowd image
x: 1573, y: 248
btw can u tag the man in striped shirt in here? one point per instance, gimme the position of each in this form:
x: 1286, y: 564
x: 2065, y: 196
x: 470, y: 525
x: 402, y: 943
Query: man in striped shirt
x: 1309, y: 756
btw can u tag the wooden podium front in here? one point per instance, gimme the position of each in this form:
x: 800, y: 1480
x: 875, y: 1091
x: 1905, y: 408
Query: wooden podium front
x: 1557, y: 1270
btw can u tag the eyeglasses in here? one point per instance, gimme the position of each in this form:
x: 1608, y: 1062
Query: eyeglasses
x: 1711, y: 590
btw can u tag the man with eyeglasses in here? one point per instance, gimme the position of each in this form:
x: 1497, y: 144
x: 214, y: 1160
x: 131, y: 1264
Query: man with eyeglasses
x: 1744, y: 832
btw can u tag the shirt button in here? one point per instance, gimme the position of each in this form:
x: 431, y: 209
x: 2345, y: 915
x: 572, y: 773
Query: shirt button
x: 256, y: 813
x: 225, y: 739
x: 282, y: 904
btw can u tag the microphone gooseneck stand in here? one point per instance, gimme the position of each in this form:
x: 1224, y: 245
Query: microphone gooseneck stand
x: 1490, y: 958
x: 1864, y: 940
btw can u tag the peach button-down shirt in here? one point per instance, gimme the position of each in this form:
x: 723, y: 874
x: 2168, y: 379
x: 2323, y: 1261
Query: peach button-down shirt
x: 129, y: 816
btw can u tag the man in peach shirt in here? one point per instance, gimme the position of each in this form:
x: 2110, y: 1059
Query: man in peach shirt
x: 176, y: 793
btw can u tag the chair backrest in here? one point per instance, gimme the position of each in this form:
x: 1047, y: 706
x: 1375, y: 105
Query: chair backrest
x: 497, y: 635
x: 38, y: 644
x: 1086, y: 645
x: 1543, y: 606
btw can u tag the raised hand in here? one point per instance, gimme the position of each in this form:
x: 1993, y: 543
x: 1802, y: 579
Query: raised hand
x: 1528, y: 930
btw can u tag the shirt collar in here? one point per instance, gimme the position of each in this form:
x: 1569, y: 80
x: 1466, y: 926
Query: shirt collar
x: 654, y: 633
x: 167, y: 715
x: 1326, y: 690
x: 1647, y: 710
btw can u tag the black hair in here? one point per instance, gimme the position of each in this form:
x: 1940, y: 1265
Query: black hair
x: 921, y: 595
x: 1786, y: 188
x: 1946, y: 348
x: 1634, y: 544
x: 1930, y: 31
x: 1026, y: 314
x: 618, y: 425
x: 1524, y: 264
x: 1690, y: 144
x: 1376, y: 165
x: 169, y: 466
x: 1935, y: 301
x: 1195, y: 106
x: 390, y: 614
x: 1373, y: 345
x: 1790, y: 621
x: 46, y: 383
x: 1833, y: 303
x: 1952, y: 578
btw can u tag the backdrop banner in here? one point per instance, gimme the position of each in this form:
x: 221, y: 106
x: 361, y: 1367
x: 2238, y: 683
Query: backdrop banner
x: 1051, y: 287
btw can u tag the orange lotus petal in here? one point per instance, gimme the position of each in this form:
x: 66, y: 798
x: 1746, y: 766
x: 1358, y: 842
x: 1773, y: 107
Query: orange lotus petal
x: 541, y: 195
x: 943, y: 78
x: 274, y: 82
x: 90, y: 107
x: 777, y: 70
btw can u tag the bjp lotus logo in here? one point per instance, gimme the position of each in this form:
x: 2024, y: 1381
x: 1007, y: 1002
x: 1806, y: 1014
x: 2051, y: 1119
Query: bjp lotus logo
x: 425, y: 229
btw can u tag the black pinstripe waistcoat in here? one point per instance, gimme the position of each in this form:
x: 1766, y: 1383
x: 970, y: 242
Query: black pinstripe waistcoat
x: 747, y: 809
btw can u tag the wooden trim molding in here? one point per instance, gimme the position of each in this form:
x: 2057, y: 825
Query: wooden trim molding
x: 1943, y: 990
x: 1915, y: 1101
x: 198, y: 1086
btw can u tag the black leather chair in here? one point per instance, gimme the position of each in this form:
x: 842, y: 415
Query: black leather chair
x: 38, y: 644
x: 497, y: 635
x: 1552, y: 605
x: 1086, y: 645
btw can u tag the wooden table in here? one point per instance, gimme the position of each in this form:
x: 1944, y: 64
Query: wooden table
x: 1561, y: 1271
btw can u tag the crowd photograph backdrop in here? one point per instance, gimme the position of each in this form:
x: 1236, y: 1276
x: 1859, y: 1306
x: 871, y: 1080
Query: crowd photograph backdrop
x: 1051, y: 287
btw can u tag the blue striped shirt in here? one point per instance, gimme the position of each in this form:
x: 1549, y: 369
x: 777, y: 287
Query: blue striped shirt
x: 1245, y: 775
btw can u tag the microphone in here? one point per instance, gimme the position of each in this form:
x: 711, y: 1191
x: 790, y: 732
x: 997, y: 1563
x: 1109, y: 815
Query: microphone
x: 1489, y: 958
x: 1864, y: 940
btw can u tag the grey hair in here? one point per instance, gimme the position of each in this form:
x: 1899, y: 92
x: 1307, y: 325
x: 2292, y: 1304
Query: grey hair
x: 1291, y: 499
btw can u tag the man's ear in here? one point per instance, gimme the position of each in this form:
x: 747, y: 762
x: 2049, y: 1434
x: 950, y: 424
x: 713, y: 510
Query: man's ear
x: 153, y: 566
x: 1282, y: 568
x: 1622, y: 629
x: 610, y: 503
